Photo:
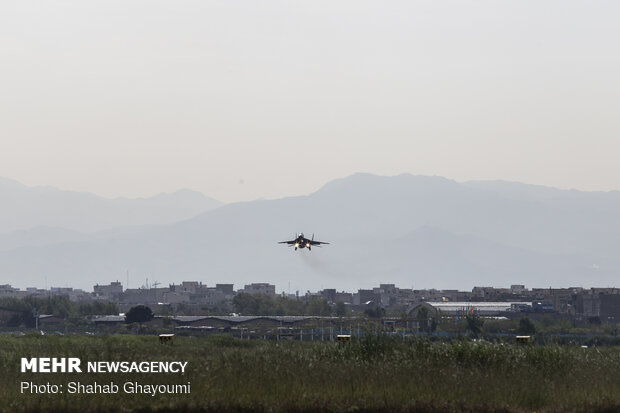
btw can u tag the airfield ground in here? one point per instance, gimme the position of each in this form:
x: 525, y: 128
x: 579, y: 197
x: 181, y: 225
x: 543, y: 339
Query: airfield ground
x: 372, y: 375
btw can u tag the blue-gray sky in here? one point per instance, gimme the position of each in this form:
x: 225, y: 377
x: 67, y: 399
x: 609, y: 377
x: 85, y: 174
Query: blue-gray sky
x: 248, y: 99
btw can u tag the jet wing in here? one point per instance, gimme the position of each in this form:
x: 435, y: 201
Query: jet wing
x: 287, y: 242
x: 317, y: 242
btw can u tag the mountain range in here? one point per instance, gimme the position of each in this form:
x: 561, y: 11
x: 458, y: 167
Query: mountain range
x: 45, y: 215
x: 414, y: 231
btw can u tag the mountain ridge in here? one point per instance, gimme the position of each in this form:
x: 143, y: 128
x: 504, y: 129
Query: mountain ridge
x: 25, y: 208
x: 463, y: 237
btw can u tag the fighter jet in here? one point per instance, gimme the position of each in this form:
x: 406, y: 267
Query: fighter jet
x: 302, y: 242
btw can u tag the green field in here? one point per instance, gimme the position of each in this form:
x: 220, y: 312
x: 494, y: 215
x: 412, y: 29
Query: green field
x: 374, y: 374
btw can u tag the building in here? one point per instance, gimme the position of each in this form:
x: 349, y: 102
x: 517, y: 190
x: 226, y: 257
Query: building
x: 7, y: 290
x: 480, y: 308
x: 112, y: 291
x: 366, y: 297
x: 190, y: 287
x: 260, y: 288
x: 600, y: 303
x: 227, y: 289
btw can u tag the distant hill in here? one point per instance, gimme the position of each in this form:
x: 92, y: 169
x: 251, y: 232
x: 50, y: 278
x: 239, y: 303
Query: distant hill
x: 410, y: 230
x: 29, y: 208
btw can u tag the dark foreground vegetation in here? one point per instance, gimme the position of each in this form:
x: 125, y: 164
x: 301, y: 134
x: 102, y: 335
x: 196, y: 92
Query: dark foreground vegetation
x: 375, y: 374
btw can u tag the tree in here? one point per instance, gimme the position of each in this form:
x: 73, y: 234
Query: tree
x: 526, y: 327
x: 245, y: 304
x: 341, y: 309
x: 318, y: 306
x: 426, y: 324
x: 139, y: 314
x: 423, y: 318
x: 474, y: 324
x: 97, y: 308
x: 376, y: 312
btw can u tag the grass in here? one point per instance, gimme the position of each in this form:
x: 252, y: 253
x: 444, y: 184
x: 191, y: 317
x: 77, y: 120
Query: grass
x: 372, y: 375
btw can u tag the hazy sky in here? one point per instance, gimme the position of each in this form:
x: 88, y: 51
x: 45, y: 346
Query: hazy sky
x: 248, y: 99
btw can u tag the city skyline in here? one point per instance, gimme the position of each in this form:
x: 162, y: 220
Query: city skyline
x: 193, y: 298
